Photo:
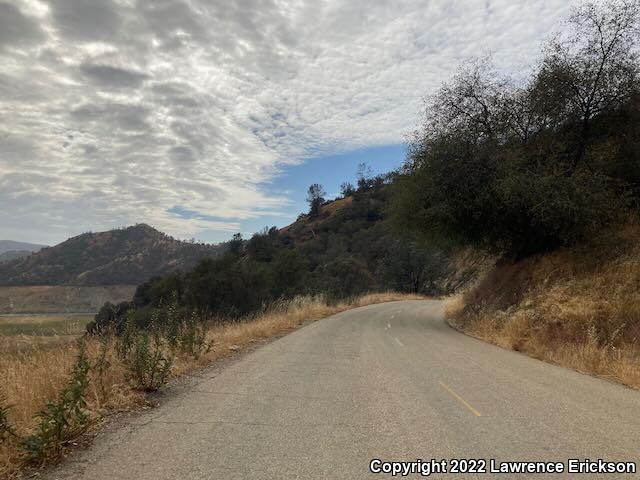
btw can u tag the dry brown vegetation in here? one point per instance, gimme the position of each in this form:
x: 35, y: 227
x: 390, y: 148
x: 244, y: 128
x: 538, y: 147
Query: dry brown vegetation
x: 304, y: 228
x: 578, y: 307
x: 33, y: 375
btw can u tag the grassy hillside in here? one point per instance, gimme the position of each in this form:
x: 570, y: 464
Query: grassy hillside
x: 126, y: 256
x: 350, y: 247
x: 578, y: 307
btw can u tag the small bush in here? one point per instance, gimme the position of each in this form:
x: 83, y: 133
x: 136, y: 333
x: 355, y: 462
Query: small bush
x: 64, y: 418
x: 148, y: 366
x: 102, y: 365
x: 170, y: 322
x: 192, y: 338
x: 127, y: 337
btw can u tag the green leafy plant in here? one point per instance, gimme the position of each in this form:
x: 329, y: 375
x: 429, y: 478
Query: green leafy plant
x: 64, y: 418
x: 127, y: 337
x: 171, y: 321
x: 184, y: 335
x: 192, y: 338
x: 102, y: 364
x: 149, y: 367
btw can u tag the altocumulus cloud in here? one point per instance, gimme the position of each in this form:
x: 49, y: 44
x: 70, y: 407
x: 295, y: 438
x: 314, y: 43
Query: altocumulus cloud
x: 117, y: 111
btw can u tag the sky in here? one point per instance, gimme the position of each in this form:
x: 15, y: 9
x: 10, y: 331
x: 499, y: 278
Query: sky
x: 204, y: 118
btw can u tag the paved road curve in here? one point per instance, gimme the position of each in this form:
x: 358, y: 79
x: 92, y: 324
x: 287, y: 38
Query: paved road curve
x: 390, y: 381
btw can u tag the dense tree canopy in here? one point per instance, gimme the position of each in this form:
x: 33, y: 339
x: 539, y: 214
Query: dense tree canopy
x: 524, y: 168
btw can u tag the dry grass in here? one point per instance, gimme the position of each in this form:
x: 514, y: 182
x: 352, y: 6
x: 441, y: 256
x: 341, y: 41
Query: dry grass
x: 36, y: 372
x: 578, y: 308
x: 46, y: 325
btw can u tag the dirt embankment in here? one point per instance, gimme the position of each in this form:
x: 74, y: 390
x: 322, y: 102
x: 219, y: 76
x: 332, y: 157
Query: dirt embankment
x: 577, y: 307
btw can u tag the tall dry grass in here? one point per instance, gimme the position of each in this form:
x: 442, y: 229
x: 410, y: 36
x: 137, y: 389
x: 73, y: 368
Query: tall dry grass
x: 34, y: 374
x: 579, y: 307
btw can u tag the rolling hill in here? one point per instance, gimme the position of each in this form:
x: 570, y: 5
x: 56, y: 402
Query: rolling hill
x: 10, y: 249
x: 125, y: 256
x: 13, y: 246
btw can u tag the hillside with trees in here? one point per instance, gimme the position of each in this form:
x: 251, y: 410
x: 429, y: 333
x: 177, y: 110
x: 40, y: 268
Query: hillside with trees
x: 544, y: 175
x: 12, y: 250
x: 340, y: 249
x: 125, y: 256
x: 13, y: 255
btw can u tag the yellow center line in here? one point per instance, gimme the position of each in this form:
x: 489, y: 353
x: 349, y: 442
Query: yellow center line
x: 460, y: 399
x: 398, y: 342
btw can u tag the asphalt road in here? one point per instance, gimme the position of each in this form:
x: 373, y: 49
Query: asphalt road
x: 389, y: 381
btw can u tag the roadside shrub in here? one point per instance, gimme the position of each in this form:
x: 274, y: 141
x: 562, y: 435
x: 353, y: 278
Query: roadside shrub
x: 192, y: 338
x: 102, y: 365
x: 148, y: 366
x: 110, y: 317
x: 126, y: 337
x: 63, y: 418
x: 169, y: 319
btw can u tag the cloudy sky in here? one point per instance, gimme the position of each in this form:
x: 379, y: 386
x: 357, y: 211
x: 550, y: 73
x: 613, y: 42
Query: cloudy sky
x: 207, y: 117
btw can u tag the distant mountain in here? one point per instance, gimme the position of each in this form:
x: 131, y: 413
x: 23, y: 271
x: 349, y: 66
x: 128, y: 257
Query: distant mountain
x: 11, y: 246
x: 125, y: 256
